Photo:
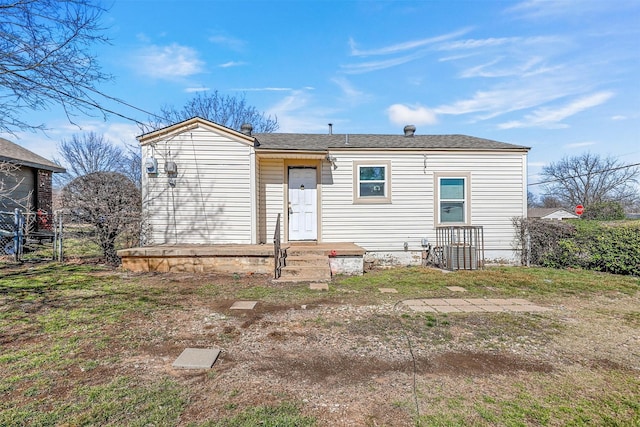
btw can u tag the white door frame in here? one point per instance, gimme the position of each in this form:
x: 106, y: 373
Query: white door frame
x: 302, y: 203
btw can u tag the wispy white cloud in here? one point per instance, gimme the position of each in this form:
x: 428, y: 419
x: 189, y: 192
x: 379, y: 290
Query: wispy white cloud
x: 579, y: 145
x: 546, y: 9
x: 298, y: 112
x: 410, y: 51
x: 169, y: 62
x: 197, y: 89
x: 405, y: 46
x: 492, y: 103
x: 477, y: 43
x: 262, y: 89
x: 619, y: 117
x: 232, y: 64
x: 552, y: 117
x: 228, y: 42
x: 401, y: 114
x: 523, y: 69
x: 351, y: 95
x: 366, y: 67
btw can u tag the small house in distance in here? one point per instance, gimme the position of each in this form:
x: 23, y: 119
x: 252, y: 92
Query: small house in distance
x: 550, y: 213
x: 28, y: 186
x: 206, y: 184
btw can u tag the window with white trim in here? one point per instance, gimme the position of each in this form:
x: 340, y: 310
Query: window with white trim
x: 372, y: 182
x: 453, y: 200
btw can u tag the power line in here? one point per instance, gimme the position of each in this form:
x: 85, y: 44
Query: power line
x: 583, y: 175
x: 90, y: 103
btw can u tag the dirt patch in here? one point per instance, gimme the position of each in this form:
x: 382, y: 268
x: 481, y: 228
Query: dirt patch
x: 338, y: 368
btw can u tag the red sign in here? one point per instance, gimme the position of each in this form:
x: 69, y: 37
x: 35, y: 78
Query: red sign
x: 579, y: 209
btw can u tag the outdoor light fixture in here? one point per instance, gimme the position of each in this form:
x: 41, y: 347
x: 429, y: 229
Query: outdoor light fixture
x: 330, y: 158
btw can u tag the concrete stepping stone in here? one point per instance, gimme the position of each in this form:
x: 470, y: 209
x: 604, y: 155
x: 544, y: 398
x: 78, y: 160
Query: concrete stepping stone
x: 456, y: 289
x: 319, y: 286
x: 470, y: 305
x: 243, y: 305
x: 197, y: 358
x: 447, y: 309
x: 388, y: 290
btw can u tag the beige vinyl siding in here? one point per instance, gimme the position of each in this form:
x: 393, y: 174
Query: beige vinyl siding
x: 497, y: 195
x: 211, y: 201
x: 271, y: 203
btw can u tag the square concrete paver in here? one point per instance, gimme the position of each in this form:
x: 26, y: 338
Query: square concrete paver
x: 197, y: 358
x: 470, y: 308
x: 446, y: 309
x: 319, y: 286
x: 243, y: 305
x: 518, y: 301
x: 456, y: 301
x: 532, y: 308
x: 413, y: 302
x: 456, y: 289
x: 435, y: 301
x: 491, y: 308
x: 423, y: 308
x: 476, y: 301
x: 388, y: 290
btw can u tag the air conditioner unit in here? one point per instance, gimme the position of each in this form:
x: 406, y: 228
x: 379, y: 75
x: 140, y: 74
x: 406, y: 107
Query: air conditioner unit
x: 461, y: 257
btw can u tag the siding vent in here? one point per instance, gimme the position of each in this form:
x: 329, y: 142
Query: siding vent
x: 409, y: 130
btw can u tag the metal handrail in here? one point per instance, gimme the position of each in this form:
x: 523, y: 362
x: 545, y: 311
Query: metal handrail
x: 279, y: 254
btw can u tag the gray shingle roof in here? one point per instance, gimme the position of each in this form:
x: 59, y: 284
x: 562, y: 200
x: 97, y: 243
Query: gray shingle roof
x: 13, y: 153
x: 324, y: 142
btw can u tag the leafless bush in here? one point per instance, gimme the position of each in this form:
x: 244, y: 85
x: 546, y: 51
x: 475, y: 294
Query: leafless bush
x: 108, y: 201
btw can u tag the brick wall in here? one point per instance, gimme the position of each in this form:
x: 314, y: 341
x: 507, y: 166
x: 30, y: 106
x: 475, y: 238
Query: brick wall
x: 44, y: 191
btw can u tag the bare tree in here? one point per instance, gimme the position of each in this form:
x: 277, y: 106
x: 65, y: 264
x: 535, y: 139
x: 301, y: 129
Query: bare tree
x: 550, y: 202
x: 90, y: 152
x: 110, y: 202
x: 589, y: 179
x: 10, y: 181
x: 230, y: 111
x: 46, y: 58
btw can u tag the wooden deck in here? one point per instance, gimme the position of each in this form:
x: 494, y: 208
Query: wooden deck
x: 223, y: 258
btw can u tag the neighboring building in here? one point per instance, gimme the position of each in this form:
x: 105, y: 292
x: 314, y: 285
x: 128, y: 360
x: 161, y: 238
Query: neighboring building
x: 550, y: 213
x: 204, y: 183
x: 31, y: 182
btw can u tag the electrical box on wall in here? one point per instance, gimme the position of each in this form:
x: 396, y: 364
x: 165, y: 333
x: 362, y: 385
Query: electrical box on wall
x: 151, y: 165
x: 171, y: 168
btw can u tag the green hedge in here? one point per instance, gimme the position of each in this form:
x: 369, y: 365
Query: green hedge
x: 594, y: 245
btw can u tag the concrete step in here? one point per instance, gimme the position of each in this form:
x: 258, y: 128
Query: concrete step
x: 311, y: 260
x: 302, y: 251
x: 305, y: 273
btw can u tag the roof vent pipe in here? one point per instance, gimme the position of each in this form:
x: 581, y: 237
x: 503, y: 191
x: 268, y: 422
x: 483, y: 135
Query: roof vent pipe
x: 246, y: 128
x: 330, y: 128
x: 409, y: 130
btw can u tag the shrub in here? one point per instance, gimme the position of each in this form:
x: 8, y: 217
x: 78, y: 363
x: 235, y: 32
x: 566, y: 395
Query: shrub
x: 604, y: 211
x: 594, y: 245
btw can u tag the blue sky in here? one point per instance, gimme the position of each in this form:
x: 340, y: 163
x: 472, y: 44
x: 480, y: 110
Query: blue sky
x: 562, y: 77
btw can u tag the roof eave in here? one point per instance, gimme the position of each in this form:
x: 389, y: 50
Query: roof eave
x: 19, y: 162
x: 186, y: 125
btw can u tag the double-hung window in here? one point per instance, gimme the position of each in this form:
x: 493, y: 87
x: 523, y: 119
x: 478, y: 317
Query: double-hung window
x: 372, y: 182
x: 453, y: 199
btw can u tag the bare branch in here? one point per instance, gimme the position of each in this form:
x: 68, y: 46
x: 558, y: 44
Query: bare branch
x: 46, y: 58
x: 229, y: 111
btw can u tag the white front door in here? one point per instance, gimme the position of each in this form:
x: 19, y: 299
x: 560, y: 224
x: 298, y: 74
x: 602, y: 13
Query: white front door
x: 303, y: 197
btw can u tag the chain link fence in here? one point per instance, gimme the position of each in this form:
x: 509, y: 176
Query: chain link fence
x: 29, y: 235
